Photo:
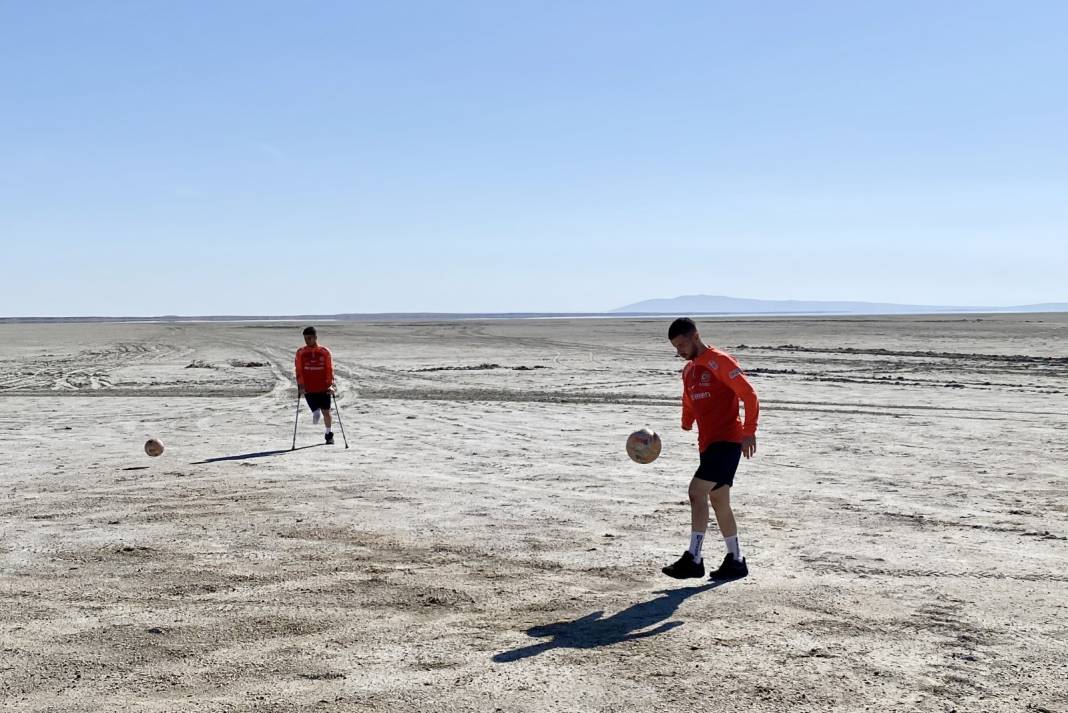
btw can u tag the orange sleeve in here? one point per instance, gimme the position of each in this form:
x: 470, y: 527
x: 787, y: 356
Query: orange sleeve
x: 687, y: 407
x: 297, y: 365
x: 735, y: 379
x: 329, y: 368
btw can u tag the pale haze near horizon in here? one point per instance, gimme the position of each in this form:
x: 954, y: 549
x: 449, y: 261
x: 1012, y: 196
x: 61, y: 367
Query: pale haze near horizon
x: 264, y: 158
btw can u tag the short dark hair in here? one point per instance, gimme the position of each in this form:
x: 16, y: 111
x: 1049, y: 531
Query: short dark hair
x: 309, y: 330
x: 681, y: 326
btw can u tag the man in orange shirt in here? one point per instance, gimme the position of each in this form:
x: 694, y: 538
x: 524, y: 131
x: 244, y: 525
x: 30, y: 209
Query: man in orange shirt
x: 712, y: 385
x: 315, y: 379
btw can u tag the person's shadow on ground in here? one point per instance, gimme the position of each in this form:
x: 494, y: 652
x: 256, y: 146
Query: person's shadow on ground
x: 592, y: 631
x: 259, y: 454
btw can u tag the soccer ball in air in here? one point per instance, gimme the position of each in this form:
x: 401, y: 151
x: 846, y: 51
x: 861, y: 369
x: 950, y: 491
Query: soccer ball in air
x: 643, y: 446
x: 153, y: 447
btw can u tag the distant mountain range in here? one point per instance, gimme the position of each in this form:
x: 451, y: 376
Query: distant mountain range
x: 718, y: 304
x: 686, y: 305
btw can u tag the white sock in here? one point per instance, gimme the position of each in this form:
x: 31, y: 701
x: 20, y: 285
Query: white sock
x: 696, y: 539
x: 328, y: 429
x: 734, y: 547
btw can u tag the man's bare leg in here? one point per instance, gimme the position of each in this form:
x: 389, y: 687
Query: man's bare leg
x: 328, y: 420
x: 734, y: 566
x: 691, y: 563
x: 721, y: 505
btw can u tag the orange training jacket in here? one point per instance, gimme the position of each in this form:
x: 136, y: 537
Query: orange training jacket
x: 712, y: 384
x: 315, y: 369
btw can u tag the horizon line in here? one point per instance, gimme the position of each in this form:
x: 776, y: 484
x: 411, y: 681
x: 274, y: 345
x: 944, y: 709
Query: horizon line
x: 445, y: 316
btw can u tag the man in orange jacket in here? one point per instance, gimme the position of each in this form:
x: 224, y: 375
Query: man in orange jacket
x: 315, y: 379
x: 712, y: 385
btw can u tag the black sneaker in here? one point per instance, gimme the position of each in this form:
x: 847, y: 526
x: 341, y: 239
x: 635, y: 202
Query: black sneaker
x: 685, y: 567
x: 730, y: 569
x: 329, y: 438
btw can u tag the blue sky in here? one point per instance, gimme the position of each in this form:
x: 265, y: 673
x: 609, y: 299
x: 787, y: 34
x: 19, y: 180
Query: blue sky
x: 280, y: 158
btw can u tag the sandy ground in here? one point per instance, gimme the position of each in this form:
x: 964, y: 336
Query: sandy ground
x: 485, y: 545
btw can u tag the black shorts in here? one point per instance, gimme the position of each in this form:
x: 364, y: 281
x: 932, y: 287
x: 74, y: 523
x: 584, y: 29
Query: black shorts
x: 319, y: 401
x: 719, y: 462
